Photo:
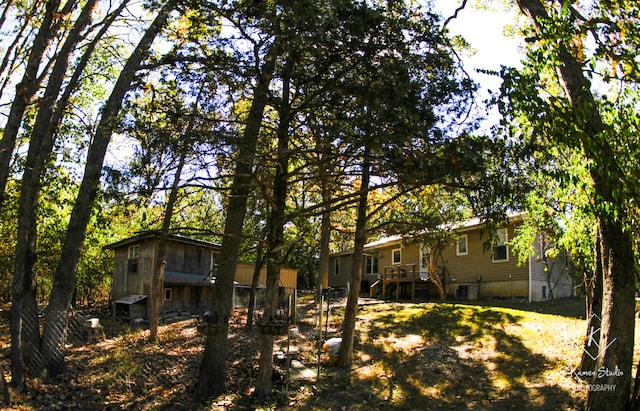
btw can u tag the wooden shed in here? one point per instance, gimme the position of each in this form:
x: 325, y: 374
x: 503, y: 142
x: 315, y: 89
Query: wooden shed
x: 189, y: 271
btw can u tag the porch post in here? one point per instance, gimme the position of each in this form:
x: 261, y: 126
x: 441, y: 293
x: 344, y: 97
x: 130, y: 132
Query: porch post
x: 384, y: 284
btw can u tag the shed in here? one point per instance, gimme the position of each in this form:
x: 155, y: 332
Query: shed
x: 188, y: 276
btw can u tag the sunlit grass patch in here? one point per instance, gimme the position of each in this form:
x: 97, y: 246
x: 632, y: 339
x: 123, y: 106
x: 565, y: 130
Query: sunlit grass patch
x: 453, y: 355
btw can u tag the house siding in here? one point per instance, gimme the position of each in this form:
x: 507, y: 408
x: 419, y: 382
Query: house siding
x: 342, y: 278
x: 472, y: 275
x: 126, y: 282
x: 480, y: 274
x: 560, y: 281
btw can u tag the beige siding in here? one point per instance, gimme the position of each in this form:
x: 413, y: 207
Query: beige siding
x: 244, y: 275
x: 474, y: 274
x: 480, y: 274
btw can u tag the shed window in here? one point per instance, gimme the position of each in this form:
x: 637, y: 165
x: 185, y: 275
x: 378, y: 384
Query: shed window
x: 336, y: 266
x: 134, y: 252
x: 132, y: 262
x: 501, y: 249
x: 168, y: 294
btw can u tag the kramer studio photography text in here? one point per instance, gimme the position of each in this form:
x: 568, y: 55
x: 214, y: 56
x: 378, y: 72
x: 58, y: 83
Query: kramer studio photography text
x: 602, y: 372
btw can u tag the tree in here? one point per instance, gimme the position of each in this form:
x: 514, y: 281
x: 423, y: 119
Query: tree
x: 26, y: 89
x: 571, y: 116
x: 41, y: 145
x: 65, y: 277
x: 211, y: 380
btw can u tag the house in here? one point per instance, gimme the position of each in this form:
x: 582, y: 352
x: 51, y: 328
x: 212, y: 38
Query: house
x: 396, y: 267
x: 188, y: 277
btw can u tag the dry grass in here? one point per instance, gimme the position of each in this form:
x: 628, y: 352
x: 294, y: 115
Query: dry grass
x: 424, y: 356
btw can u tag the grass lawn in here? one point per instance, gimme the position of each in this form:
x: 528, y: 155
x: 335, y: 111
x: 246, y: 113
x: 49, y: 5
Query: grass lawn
x: 458, y: 357
x: 424, y: 356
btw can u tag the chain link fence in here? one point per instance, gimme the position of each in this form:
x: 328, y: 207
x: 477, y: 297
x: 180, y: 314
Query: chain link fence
x: 67, y: 326
x: 287, y: 300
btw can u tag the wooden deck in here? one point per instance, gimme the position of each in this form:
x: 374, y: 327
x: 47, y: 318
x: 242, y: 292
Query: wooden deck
x: 397, y: 281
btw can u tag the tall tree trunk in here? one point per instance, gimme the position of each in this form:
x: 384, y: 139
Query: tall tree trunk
x: 211, y: 379
x: 618, y: 317
x: 65, y: 275
x: 618, y: 303
x: 593, y: 292
x: 27, y: 88
x: 275, y: 237
x: 255, y: 278
x: 157, y: 282
x: 40, y: 148
x: 325, y: 237
x: 345, y: 359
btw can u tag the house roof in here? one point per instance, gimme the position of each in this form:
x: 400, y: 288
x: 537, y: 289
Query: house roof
x: 153, y: 235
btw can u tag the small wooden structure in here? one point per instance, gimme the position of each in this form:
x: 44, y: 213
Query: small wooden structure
x: 130, y: 307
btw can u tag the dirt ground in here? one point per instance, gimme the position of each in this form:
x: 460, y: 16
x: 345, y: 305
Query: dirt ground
x: 408, y: 356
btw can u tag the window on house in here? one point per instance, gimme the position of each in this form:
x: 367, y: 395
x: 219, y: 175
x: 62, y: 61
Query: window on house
x: 396, y: 256
x: 336, y: 266
x: 501, y: 249
x: 168, y: 294
x: 425, y: 251
x: 371, y: 265
x: 462, y: 245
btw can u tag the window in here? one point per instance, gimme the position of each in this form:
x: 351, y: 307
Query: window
x: 134, y: 252
x: 501, y: 250
x: 371, y: 265
x: 336, y: 266
x: 168, y: 294
x: 132, y: 263
x: 425, y: 251
x: 396, y: 256
x: 462, y: 245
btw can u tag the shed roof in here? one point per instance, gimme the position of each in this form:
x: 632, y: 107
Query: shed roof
x: 177, y: 278
x: 153, y: 235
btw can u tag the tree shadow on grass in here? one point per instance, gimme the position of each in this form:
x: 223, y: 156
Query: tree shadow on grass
x: 447, y: 357
x: 572, y: 307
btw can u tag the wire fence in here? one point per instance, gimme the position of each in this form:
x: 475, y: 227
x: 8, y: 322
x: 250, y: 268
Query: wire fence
x: 286, y: 307
x: 66, y: 327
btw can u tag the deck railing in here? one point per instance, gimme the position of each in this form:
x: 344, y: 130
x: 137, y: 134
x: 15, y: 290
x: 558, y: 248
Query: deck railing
x: 396, y: 275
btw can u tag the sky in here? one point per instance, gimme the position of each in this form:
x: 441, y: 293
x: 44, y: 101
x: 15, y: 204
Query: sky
x: 484, y: 31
